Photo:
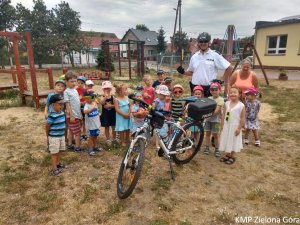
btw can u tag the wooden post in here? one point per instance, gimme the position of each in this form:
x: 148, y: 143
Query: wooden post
x: 142, y: 59
x: 13, y: 74
x: 32, y: 68
x: 129, y: 59
x: 119, y: 55
x: 50, y: 78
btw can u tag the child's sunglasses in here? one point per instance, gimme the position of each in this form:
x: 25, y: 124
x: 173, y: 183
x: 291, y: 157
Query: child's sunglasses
x: 214, y: 89
x: 177, y: 92
x: 227, y: 116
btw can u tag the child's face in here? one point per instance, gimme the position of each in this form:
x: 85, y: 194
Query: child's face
x: 124, y: 90
x: 161, y: 77
x: 57, y: 106
x: 138, y: 96
x: 59, y: 88
x: 234, y: 94
x: 107, y: 91
x: 215, y: 92
x: 71, y: 83
x: 161, y: 97
x: 250, y: 97
x: 89, y: 100
x: 198, y: 94
x: 177, y: 92
x: 148, y: 81
x: 80, y: 84
x: 169, y: 85
x: 90, y: 86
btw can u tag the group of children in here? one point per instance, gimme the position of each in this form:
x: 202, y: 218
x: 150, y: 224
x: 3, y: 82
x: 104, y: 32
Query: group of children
x: 74, y: 106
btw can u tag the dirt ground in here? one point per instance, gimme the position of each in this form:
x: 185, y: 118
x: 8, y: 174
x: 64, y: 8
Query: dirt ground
x: 264, y: 182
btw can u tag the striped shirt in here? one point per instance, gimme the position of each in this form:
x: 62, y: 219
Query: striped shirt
x: 57, y: 121
x: 177, y: 108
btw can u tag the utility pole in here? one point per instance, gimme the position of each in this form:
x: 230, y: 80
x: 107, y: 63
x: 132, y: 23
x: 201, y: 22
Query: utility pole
x: 178, y: 17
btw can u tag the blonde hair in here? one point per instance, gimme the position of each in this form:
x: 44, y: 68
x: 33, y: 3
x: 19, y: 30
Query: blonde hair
x: 147, y: 77
x: 119, y: 88
x: 237, y: 88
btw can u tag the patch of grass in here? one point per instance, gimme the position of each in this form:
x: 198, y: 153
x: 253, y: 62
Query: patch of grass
x: 255, y: 194
x: 88, y: 193
x: 185, y: 222
x: 158, y: 222
x: 14, y: 182
x: 45, y: 200
x: 223, y: 216
x: 253, y: 152
x: 29, y: 159
x: 114, y: 208
x: 165, y: 207
x: 45, y: 161
x: 161, y: 183
x: 107, y: 186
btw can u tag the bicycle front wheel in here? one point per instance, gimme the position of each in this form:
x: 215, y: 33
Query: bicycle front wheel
x: 130, y: 169
x: 193, y: 132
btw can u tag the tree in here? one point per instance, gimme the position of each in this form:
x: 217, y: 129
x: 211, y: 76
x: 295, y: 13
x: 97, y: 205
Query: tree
x: 102, y: 58
x: 67, y: 29
x: 162, y: 45
x: 141, y: 27
x: 181, y: 41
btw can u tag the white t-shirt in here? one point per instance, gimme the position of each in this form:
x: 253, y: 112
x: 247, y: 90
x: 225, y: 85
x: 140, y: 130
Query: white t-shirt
x: 71, y: 96
x: 92, y: 119
x: 205, y: 66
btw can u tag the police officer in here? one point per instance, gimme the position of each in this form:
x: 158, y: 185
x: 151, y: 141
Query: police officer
x: 204, y: 65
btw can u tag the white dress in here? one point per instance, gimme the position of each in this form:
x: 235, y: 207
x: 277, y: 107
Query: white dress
x: 229, y: 142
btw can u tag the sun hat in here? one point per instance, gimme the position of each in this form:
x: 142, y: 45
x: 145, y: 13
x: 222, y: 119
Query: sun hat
x: 163, y: 90
x: 89, y: 82
x: 160, y: 72
x: 89, y: 93
x: 60, y: 81
x: 216, y: 85
x: 55, y: 98
x: 198, y: 88
x: 106, y: 84
x: 251, y: 90
x: 178, y: 86
x: 168, y: 80
x: 82, y: 78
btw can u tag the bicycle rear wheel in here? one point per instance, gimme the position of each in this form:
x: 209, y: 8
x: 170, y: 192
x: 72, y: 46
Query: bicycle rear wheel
x: 130, y: 169
x: 193, y: 131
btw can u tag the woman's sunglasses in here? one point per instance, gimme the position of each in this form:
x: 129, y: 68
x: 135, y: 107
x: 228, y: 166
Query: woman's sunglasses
x: 227, y: 116
x: 177, y: 92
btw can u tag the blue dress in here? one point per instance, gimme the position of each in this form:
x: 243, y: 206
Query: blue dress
x: 123, y: 124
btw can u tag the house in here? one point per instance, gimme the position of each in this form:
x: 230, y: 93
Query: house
x: 150, y: 39
x: 95, y: 39
x: 278, y: 43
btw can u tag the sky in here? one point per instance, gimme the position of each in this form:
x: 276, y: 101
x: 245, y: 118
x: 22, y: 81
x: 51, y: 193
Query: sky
x: 213, y: 16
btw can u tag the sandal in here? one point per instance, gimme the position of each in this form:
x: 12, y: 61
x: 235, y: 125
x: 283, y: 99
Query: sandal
x: 225, y: 158
x: 230, y: 161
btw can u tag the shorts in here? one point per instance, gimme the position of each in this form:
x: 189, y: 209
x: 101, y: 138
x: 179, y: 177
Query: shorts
x: 56, y: 144
x: 75, y: 127
x: 94, y: 133
x: 214, y: 127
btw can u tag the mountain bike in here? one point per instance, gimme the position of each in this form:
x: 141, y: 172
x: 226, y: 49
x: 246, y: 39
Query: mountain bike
x: 181, y: 148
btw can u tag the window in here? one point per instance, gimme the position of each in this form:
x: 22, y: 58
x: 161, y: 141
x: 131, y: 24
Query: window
x: 276, y: 45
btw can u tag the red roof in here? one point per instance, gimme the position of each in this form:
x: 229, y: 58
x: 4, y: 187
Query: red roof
x: 96, y: 42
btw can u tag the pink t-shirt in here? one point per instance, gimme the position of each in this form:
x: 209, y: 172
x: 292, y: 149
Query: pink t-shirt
x: 150, y: 92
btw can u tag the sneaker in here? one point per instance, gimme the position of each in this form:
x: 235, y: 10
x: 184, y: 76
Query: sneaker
x: 78, y: 149
x: 98, y: 149
x: 70, y: 147
x: 91, y: 152
x: 61, y: 166
x: 55, y: 172
x: 217, y: 152
x: 246, y: 141
x: 206, y: 150
x: 257, y: 143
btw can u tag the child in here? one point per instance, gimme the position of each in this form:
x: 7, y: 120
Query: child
x: 252, y: 108
x: 89, y: 84
x: 55, y: 131
x: 149, y: 91
x: 160, y: 80
x: 212, y: 124
x: 59, y: 88
x: 92, y: 120
x: 177, y: 106
x: 80, y: 89
x: 138, y: 113
x: 159, y: 104
x: 123, y: 119
x: 231, y: 125
x: 73, y: 112
x: 108, y: 116
x: 168, y: 83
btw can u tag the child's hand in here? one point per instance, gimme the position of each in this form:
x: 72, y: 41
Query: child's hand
x: 237, y: 132
x: 146, y: 95
x: 72, y: 120
x: 126, y: 116
x: 46, y: 115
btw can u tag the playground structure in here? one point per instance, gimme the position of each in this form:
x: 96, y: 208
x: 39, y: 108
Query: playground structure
x: 21, y: 72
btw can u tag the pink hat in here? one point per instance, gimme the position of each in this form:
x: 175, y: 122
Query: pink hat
x: 106, y: 84
x: 217, y: 85
x: 251, y: 90
x: 198, y: 88
x: 163, y: 90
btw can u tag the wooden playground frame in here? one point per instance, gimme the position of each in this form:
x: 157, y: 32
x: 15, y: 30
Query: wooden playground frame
x: 20, y: 80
